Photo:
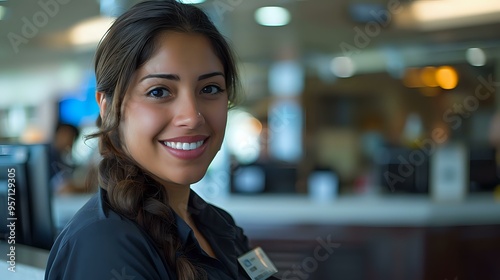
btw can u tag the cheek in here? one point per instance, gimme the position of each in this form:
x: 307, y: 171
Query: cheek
x: 141, y: 122
x: 218, y: 118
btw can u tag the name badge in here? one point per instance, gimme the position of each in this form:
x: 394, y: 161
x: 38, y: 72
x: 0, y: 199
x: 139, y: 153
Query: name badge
x: 257, y: 265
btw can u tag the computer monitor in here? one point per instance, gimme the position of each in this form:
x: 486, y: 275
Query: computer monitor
x: 400, y: 172
x: 25, y: 185
x: 268, y: 177
x: 483, y: 168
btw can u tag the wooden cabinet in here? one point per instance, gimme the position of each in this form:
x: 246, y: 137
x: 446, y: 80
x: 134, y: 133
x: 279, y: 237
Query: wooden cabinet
x: 324, y: 252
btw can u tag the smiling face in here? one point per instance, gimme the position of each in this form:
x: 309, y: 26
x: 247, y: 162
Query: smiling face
x: 175, y: 110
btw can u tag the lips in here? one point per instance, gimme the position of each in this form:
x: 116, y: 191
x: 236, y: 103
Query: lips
x: 186, y: 147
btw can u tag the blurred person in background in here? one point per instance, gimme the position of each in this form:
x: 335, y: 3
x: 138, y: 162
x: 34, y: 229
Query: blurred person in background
x: 62, y: 164
x: 66, y: 175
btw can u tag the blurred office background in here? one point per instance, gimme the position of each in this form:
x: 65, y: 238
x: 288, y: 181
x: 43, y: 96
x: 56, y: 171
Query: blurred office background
x: 369, y: 129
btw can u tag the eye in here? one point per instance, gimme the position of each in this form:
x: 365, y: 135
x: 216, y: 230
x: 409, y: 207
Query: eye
x: 159, y: 92
x: 212, y: 90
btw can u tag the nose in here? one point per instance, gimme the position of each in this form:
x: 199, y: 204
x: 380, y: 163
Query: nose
x: 187, y: 112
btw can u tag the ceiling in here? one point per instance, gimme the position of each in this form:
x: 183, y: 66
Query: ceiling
x: 319, y: 30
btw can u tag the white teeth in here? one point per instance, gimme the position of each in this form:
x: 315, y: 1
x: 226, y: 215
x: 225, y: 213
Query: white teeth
x: 183, y: 146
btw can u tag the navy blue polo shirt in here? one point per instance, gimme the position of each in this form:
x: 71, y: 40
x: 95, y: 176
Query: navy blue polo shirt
x: 98, y: 243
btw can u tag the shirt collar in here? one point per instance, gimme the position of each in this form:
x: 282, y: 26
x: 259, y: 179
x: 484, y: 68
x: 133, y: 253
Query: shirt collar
x: 218, y: 231
x: 207, y: 216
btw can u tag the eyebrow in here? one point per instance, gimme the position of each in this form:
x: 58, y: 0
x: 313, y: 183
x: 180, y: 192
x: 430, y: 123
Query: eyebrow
x: 174, y: 77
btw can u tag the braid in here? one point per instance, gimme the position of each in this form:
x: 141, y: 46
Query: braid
x: 135, y: 195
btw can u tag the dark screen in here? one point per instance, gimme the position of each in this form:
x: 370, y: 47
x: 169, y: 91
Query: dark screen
x: 28, y: 166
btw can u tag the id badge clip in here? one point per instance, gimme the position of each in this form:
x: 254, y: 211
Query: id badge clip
x: 257, y: 265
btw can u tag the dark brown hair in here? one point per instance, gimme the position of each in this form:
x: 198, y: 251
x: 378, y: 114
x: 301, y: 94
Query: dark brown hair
x: 129, y: 43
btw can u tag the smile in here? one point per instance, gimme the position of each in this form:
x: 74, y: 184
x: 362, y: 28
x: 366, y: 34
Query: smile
x: 183, y: 145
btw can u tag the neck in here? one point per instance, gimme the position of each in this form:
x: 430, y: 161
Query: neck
x: 178, y: 198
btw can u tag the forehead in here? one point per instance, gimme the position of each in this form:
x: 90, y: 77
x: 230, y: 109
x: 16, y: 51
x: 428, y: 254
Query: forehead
x: 178, y: 52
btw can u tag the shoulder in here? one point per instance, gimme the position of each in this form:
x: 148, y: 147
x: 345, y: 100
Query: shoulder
x: 199, y: 206
x: 95, y: 245
x: 96, y: 220
x: 218, y: 221
x: 238, y: 232
x: 90, y: 233
x: 224, y: 214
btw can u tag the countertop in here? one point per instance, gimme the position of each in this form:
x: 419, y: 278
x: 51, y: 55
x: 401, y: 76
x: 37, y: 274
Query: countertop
x: 375, y: 210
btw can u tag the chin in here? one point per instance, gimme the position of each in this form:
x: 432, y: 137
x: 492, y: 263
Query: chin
x: 180, y: 175
x: 188, y: 179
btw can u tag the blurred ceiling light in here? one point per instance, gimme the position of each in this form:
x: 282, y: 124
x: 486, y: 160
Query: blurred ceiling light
x: 191, y: 1
x: 342, y: 67
x: 452, y: 9
x: 428, y: 15
x: 428, y: 76
x: 447, y: 77
x: 272, y: 16
x: 90, y: 31
x: 475, y: 56
x: 412, y: 78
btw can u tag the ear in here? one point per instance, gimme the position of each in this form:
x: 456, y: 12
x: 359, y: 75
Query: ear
x: 100, y: 97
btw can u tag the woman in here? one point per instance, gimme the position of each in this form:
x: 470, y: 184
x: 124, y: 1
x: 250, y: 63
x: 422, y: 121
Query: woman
x: 165, y: 79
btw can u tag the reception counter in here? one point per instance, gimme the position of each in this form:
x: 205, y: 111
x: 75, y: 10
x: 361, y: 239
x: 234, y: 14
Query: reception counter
x: 371, y: 237
x: 29, y: 263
